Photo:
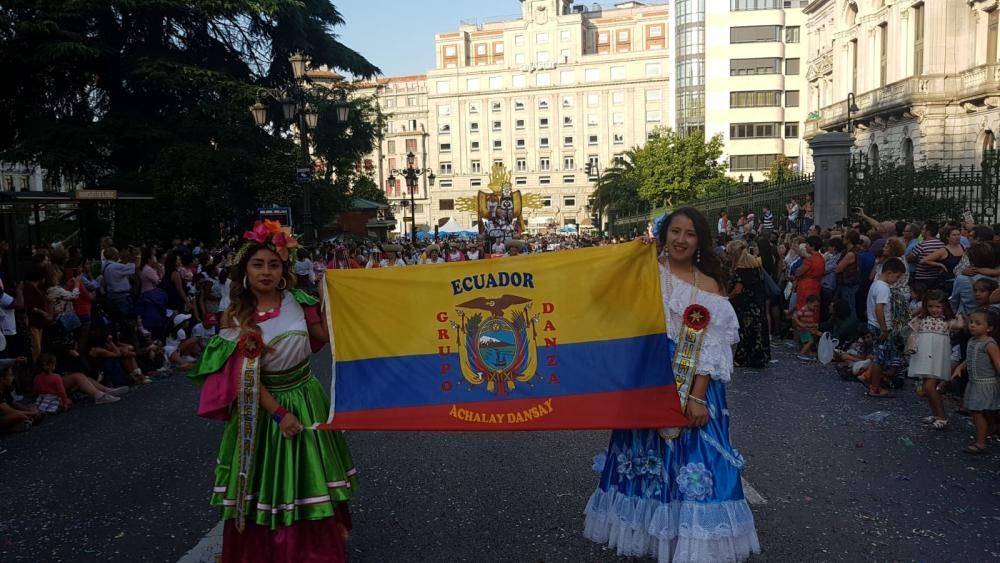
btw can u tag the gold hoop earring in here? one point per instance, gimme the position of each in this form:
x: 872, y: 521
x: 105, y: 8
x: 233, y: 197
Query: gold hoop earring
x: 283, y: 284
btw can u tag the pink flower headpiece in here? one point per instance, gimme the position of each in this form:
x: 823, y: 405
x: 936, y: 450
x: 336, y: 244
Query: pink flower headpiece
x: 274, y: 236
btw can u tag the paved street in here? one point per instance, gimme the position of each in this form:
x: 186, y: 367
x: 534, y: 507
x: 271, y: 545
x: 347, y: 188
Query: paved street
x: 129, y: 482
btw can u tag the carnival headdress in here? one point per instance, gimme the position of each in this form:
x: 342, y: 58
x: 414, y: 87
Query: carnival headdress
x: 272, y: 235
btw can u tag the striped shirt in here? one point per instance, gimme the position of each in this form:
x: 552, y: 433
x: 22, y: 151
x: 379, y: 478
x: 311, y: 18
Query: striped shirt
x: 922, y: 250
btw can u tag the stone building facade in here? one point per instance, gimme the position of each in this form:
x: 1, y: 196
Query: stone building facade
x: 924, y: 76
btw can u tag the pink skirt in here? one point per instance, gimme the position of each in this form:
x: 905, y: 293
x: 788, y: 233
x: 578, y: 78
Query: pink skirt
x: 306, y: 541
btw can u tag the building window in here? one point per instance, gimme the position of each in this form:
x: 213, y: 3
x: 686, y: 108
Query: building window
x: 908, y: 153
x: 543, y: 142
x: 443, y: 87
x: 546, y: 200
x: 472, y: 85
x: 519, y: 40
x: 543, y: 123
x: 390, y: 147
x: 497, y: 145
x: 541, y: 38
x: 444, y: 128
x: 519, y: 143
x: 477, y: 167
x: 750, y: 162
x: 747, y: 5
x: 444, y: 111
x: 918, y: 39
x: 617, y: 98
x: 411, y: 145
x: 593, y: 100
x: 520, y: 81
x: 569, y: 179
x: 569, y: 201
x: 654, y: 95
x: 755, y: 99
x: 792, y: 34
x: 747, y: 67
x: 474, y: 146
x: 519, y: 124
x: 569, y: 163
x: 496, y: 83
x: 445, y: 183
x: 617, y: 73
x: 883, y: 54
x: 755, y: 34
x: 792, y: 130
x: 444, y: 147
x: 654, y: 116
x: 521, y: 165
x: 446, y: 205
x: 592, y: 140
x: 653, y: 70
x: 618, y: 139
x: 873, y: 156
x: 497, y: 125
x: 475, y: 182
x: 520, y: 181
x: 792, y: 67
x: 445, y: 169
x: 792, y: 99
x: 566, y: 76
x: 618, y: 118
x: 411, y: 101
x: 567, y: 101
x: 754, y: 130
x: 991, y: 36
x: 544, y: 164
x: 543, y: 104
x: 592, y: 120
x: 495, y: 107
x: 592, y: 75
x: 473, y: 108
x: 592, y: 164
x: 567, y: 121
x: 545, y: 180
x: 543, y: 79
x: 473, y: 126
x: 567, y: 141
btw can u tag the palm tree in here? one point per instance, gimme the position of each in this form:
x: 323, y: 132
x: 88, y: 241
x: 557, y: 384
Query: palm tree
x: 618, y: 187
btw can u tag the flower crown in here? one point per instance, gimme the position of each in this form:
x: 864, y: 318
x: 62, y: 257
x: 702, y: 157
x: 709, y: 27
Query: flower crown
x: 270, y: 234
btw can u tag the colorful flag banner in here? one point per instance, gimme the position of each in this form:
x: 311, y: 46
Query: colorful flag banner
x: 554, y: 341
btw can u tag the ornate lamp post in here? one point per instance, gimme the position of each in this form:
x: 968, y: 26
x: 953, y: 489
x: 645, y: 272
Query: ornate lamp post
x: 297, y: 107
x: 412, y: 174
x: 852, y: 108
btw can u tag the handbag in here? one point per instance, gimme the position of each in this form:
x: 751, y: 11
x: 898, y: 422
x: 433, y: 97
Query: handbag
x: 70, y: 321
x: 825, y: 348
x: 770, y: 287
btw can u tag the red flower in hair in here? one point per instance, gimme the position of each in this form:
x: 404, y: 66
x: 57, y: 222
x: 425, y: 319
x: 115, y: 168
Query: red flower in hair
x: 259, y: 233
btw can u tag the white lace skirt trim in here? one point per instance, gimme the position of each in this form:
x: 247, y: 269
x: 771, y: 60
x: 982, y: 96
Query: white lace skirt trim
x: 680, y: 531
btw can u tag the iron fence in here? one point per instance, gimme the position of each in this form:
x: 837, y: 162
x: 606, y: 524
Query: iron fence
x: 740, y: 199
x: 904, y: 193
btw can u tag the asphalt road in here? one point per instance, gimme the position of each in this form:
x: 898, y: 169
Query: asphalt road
x: 130, y: 482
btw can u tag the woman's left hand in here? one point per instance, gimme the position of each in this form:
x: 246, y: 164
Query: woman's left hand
x: 290, y: 426
x: 697, y: 414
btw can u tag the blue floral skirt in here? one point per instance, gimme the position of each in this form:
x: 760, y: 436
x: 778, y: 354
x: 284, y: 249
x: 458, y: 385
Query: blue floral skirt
x: 675, y: 500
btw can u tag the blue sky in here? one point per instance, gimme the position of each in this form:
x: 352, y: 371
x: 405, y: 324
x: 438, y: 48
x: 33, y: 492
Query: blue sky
x: 398, y: 35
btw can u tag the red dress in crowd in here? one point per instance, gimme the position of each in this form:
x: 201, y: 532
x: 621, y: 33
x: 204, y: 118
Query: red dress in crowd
x: 811, y: 281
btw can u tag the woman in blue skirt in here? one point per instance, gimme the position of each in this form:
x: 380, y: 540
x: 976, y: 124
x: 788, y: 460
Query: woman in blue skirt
x: 676, y: 494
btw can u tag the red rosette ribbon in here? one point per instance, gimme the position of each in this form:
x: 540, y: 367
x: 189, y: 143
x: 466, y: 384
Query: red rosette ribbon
x: 697, y: 317
x: 251, y: 344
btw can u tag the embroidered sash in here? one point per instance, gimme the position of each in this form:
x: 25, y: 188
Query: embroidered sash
x: 249, y: 400
x: 685, y: 362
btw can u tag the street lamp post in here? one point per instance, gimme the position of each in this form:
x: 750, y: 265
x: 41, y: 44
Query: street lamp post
x: 298, y: 108
x: 594, y: 171
x: 852, y: 108
x: 412, y: 175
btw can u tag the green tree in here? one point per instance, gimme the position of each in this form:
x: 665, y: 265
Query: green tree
x: 152, y: 97
x: 780, y: 169
x: 366, y: 188
x: 618, y: 187
x: 674, y: 169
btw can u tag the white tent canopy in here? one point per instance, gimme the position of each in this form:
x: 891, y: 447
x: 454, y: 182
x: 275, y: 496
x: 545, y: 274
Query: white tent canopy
x: 450, y: 227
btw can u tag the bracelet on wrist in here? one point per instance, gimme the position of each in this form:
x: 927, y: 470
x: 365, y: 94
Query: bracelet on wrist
x: 279, y: 414
x: 698, y: 400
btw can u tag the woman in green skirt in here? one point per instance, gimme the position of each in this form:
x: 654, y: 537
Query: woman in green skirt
x: 283, y: 491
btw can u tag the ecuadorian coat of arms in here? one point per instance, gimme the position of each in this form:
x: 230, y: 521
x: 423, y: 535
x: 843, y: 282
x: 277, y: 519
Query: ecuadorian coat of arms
x: 497, y: 342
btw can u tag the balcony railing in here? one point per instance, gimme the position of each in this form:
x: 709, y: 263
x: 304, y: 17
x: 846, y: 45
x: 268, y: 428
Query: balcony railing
x: 973, y: 83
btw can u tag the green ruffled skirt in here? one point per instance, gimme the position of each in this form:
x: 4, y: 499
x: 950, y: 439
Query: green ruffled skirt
x: 303, y: 478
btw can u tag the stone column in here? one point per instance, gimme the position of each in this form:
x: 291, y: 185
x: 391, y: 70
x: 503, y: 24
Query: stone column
x: 831, y: 160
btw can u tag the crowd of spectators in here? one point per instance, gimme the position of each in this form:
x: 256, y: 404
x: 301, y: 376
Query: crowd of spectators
x: 897, y: 301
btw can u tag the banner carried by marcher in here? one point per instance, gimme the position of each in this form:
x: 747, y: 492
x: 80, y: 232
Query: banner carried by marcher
x: 555, y: 341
